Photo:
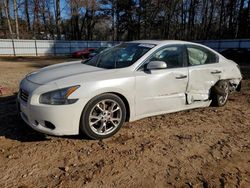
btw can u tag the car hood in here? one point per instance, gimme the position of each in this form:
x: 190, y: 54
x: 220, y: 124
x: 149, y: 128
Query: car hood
x: 59, y: 71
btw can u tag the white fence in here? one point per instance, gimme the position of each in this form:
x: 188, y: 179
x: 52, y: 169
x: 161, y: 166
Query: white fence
x: 14, y: 47
x: 9, y: 47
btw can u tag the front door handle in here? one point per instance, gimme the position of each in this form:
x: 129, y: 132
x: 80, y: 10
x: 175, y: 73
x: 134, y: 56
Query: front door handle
x: 181, y: 77
x: 216, y: 72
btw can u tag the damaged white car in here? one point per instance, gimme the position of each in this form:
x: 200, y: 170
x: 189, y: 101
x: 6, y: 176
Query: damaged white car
x: 127, y: 82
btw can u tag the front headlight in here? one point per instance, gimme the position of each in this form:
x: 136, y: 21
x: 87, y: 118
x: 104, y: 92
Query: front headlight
x: 58, y: 97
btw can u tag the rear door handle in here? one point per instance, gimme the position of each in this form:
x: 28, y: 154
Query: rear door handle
x: 181, y: 77
x: 216, y: 72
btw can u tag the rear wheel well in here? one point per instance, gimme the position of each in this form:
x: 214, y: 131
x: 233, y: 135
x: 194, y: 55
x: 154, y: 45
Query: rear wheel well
x: 217, y: 91
x: 212, y: 89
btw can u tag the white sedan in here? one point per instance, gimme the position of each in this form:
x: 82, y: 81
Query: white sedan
x: 127, y: 82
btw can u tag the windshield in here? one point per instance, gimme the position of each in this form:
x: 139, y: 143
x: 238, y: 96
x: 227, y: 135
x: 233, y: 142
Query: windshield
x: 119, y: 56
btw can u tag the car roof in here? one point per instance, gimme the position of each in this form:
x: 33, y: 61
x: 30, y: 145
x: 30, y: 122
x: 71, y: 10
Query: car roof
x: 169, y: 42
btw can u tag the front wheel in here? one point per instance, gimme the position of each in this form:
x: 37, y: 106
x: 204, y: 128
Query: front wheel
x: 220, y: 93
x: 103, y: 116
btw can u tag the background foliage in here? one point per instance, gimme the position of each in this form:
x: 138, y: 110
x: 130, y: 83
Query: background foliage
x: 125, y: 19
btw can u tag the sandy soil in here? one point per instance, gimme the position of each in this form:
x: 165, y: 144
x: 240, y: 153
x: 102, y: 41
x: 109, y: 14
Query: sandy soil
x: 207, y: 147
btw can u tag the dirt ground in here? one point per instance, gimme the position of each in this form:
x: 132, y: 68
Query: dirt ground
x: 207, y: 147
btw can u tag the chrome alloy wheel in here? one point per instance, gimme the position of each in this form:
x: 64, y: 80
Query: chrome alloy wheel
x: 105, y: 117
x: 223, y: 98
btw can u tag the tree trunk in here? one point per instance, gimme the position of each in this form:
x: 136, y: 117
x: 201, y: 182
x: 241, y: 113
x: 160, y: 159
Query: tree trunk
x: 239, y: 20
x: 248, y: 19
x: 221, y: 15
x: 45, y: 24
x: 183, y: 19
x: 210, y: 19
x: 204, y: 18
x: 58, y: 20
x: 138, y: 33
x: 27, y: 15
x: 117, y: 25
x: 75, y: 30
x: 231, y: 18
x: 36, y: 24
x: 6, y: 8
x: 113, y: 20
x: 2, y: 20
x: 191, y: 17
x: 16, y: 19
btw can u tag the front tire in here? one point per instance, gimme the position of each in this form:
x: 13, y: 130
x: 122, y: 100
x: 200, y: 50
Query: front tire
x: 220, y: 93
x: 103, y: 116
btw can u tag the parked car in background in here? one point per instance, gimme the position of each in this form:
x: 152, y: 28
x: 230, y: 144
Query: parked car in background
x: 128, y: 82
x: 239, y: 55
x: 84, y: 54
x: 97, y: 51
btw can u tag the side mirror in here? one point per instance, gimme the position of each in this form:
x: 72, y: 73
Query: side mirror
x: 154, y: 65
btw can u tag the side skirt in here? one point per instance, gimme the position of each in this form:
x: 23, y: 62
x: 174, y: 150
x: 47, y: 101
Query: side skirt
x: 200, y: 104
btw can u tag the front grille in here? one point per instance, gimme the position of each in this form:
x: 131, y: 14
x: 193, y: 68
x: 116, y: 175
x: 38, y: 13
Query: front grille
x: 24, y: 95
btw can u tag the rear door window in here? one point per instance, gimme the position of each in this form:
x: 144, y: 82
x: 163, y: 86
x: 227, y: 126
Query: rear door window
x: 198, y: 55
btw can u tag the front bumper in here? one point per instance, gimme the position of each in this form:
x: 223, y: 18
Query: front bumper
x: 65, y: 118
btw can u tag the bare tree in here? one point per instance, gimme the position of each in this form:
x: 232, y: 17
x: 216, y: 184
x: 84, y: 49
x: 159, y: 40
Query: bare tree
x: 16, y: 19
x: 36, y: 20
x: 27, y: 15
x: 221, y: 17
x: 74, y: 20
x: 240, y: 18
x: 127, y: 19
x: 7, y: 14
x: 58, y: 19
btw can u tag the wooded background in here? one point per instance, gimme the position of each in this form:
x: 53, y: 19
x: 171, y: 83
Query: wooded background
x: 124, y: 19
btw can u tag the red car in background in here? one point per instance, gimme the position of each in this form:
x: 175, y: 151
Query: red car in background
x: 83, y: 53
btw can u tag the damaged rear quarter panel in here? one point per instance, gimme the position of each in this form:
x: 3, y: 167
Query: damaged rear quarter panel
x: 202, y: 78
x: 231, y: 71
